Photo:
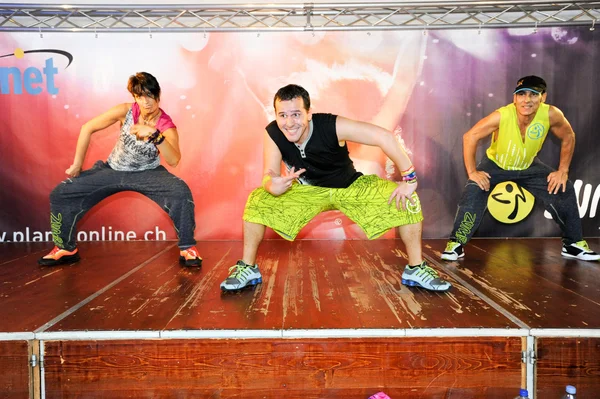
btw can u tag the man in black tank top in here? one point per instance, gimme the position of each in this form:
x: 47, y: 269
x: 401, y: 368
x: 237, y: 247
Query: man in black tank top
x: 320, y: 176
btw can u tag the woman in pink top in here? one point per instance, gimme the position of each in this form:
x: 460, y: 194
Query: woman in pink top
x: 133, y: 165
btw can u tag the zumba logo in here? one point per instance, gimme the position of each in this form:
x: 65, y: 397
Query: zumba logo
x: 535, y: 131
x: 32, y: 79
x: 466, y: 226
x: 56, y: 224
x: 510, y: 203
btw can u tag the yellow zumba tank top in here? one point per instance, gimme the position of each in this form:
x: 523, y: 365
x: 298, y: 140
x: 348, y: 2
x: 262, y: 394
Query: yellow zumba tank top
x: 508, y: 150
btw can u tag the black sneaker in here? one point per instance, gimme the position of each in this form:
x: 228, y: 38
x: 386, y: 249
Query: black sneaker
x: 453, y: 251
x: 579, y: 250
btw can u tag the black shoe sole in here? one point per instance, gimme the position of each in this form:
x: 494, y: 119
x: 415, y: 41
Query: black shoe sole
x: 190, y: 263
x: 63, y: 260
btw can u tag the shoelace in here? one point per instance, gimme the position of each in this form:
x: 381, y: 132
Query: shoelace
x: 427, y: 270
x: 583, y: 244
x: 54, y: 250
x: 240, y: 271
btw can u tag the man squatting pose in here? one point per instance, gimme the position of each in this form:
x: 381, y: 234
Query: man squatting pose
x: 519, y: 130
x: 314, y: 150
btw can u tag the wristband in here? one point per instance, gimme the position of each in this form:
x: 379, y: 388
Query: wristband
x: 156, y: 138
x: 153, y: 136
x: 159, y: 139
x: 408, y: 171
x: 265, y: 179
x: 411, y: 177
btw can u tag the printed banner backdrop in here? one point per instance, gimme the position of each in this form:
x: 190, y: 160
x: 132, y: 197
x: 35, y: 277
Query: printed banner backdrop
x: 429, y: 89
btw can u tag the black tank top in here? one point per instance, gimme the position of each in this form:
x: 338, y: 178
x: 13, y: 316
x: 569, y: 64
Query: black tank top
x: 326, y: 163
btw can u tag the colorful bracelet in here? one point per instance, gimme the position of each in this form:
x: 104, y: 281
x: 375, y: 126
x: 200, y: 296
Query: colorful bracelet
x: 408, y: 171
x: 411, y: 177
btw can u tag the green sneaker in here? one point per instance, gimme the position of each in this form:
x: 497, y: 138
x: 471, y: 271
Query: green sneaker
x: 453, y: 251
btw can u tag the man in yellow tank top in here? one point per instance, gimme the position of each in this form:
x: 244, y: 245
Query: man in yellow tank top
x: 518, y: 132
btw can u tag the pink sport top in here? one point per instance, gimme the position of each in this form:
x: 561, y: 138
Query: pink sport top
x: 130, y: 154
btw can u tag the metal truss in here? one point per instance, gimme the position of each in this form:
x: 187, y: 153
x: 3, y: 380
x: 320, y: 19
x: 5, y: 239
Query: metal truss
x: 296, y: 17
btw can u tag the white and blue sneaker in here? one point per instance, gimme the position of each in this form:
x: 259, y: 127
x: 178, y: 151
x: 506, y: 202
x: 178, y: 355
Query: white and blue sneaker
x: 425, y: 277
x: 579, y: 250
x: 241, y: 275
x: 454, y: 250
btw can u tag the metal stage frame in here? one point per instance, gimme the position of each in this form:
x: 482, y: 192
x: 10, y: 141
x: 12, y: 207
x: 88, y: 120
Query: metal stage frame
x: 15, y: 17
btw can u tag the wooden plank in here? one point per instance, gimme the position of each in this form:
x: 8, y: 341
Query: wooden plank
x: 15, y: 250
x: 357, y: 284
x: 568, y: 361
x: 530, y: 279
x: 318, y: 368
x: 306, y: 285
x: 307, y: 393
x: 310, y: 284
x: 165, y: 295
x: 32, y: 294
x: 252, y: 308
x: 14, y: 369
x: 308, y: 288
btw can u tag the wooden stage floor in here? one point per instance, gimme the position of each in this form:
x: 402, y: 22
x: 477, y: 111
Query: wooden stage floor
x: 330, y: 319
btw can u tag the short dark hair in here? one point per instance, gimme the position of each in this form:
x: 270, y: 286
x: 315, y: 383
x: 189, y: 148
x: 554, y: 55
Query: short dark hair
x: 144, y: 84
x: 290, y: 92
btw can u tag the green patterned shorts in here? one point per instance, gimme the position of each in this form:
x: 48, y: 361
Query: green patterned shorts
x: 365, y: 202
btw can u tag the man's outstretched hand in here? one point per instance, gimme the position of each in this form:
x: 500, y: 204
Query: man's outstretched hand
x: 280, y: 184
